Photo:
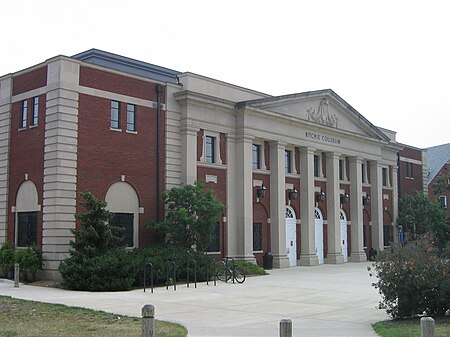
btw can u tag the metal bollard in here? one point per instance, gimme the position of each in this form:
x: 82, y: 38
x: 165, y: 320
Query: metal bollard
x: 16, y: 275
x: 285, y: 328
x: 148, y: 320
x: 427, y: 327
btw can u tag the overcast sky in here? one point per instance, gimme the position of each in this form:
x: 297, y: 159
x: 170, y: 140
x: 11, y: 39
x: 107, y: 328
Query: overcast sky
x: 390, y: 60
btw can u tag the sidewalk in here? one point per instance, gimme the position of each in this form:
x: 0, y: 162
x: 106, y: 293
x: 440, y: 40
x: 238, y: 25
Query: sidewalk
x: 328, y: 300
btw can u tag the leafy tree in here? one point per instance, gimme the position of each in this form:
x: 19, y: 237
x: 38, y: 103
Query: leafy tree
x: 418, y: 215
x: 412, y: 279
x: 96, y: 235
x: 191, y: 212
x: 441, y: 185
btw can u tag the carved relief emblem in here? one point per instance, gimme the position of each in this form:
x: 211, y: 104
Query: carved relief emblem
x: 322, y: 115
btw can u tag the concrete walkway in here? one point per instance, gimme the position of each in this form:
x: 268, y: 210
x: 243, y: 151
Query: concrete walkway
x: 323, y: 301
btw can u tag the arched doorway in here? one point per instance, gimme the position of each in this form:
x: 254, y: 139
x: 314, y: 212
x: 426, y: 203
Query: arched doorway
x: 344, y: 242
x: 291, y: 236
x: 318, y: 222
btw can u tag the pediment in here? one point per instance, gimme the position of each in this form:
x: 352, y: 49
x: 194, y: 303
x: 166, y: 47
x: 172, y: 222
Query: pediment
x: 324, y: 108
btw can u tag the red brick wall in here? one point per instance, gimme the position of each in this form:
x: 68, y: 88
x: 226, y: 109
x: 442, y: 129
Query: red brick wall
x: 98, y: 79
x: 26, y: 156
x: 31, y: 80
x: 104, y: 155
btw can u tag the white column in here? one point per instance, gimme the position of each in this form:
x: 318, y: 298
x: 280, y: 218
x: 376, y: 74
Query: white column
x: 333, y: 209
x: 243, y: 197
x: 356, y: 210
x: 5, y: 135
x: 278, y: 205
x: 376, y: 190
x: 188, y: 154
x: 308, y: 255
x: 60, y: 163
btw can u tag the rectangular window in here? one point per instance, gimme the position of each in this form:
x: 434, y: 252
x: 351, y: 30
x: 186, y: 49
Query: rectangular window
x: 341, y: 169
x: 125, y: 221
x: 257, y: 237
x: 26, y: 229
x: 363, y: 175
x: 35, y: 111
x: 131, y: 117
x: 288, y: 161
x: 23, y: 120
x: 443, y: 201
x: 210, y: 143
x: 384, y: 172
x: 115, y: 115
x: 387, y: 235
x: 316, y: 165
x: 256, y: 152
x: 214, y: 245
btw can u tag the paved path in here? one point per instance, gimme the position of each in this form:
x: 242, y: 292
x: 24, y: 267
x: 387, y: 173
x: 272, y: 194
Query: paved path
x: 323, y: 301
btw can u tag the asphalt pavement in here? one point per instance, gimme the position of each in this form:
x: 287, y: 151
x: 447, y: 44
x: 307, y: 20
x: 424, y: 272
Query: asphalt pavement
x: 322, y: 301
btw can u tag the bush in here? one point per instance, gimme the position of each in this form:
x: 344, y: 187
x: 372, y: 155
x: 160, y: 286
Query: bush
x: 250, y: 268
x: 7, y: 258
x: 161, y: 256
x: 111, y: 271
x: 30, y: 261
x: 413, y: 279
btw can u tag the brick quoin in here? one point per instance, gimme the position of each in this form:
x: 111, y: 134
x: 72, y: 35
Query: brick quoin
x: 26, y: 157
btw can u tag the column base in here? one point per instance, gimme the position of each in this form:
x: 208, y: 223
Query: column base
x: 334, y: 258
x: 308, y: 260
x: 358, y: 256
x: 280, y: 261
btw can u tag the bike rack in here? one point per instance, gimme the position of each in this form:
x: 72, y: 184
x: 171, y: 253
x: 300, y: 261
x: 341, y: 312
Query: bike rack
x: 208, y: 270
x: 233, y: 270
x: 174, y: 268
x: 151, y: 275
x: 195, y: 272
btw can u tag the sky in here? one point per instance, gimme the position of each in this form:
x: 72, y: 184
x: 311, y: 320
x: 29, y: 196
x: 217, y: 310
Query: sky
x: 390, y: 60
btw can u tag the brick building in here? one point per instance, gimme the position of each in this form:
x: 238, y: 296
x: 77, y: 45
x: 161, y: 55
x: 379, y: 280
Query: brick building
x: 304, y: 176
x: 439, y: 165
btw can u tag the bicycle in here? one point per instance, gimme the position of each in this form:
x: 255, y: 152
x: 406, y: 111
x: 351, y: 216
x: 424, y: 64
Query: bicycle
x: 228, y: 271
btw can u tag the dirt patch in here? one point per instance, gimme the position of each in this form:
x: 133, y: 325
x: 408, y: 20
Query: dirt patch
x: 45, y: 283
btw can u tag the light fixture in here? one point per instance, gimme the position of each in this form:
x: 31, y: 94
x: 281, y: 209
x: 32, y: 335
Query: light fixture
x: 292, y: 195
x: 366, y: 200
x: 345, y: 198
x: 261, y: 191
x: 320, y: 196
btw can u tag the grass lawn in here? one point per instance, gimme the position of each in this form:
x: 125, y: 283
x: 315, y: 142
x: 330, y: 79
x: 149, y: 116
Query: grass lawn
x: 410, y: 328
x: 34, y: 319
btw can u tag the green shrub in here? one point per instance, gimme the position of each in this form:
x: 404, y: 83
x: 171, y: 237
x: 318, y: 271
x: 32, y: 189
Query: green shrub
x: 413, y: 279
x: 161, y: 257
x: 113, y: 270
x: 30, y: 261
x: 250, y: 268
x: 7, y: 258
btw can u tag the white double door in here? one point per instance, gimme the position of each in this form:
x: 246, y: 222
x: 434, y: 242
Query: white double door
x: 291, y: 236
x: 318, y: 224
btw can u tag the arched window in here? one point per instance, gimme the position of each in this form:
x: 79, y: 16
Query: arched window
x: 27, y: 209
x: 123, y: 202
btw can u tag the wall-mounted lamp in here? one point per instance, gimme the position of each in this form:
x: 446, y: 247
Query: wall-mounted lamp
x: 345, y: 198
x: 320, y: 196
x: 366, y: 200
x: 292, y: 195
x: 261, y: 191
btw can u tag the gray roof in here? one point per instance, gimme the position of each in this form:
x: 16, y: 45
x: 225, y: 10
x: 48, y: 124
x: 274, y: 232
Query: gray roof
x: 437, y: 157
x: 128, y: 65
